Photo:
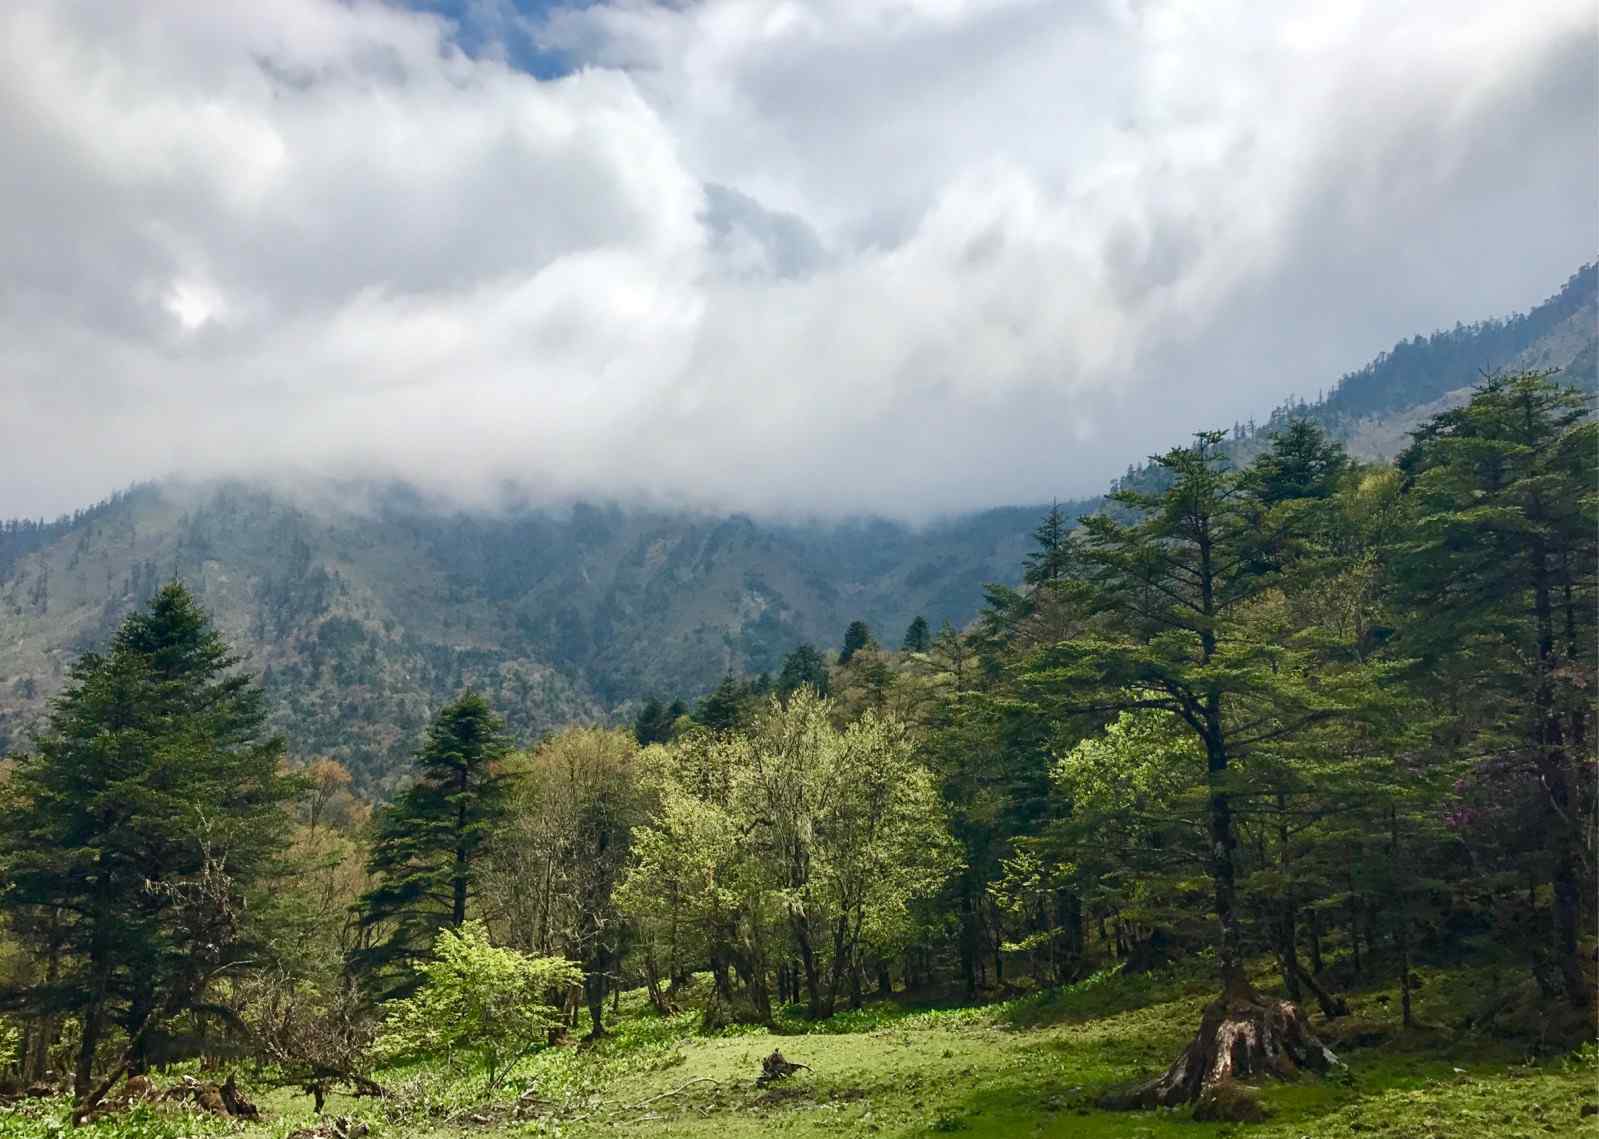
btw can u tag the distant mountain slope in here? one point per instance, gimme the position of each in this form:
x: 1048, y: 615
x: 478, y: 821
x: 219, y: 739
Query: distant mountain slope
x: 1373, y: 410
x: 364, y: 619
x: 364, y: 608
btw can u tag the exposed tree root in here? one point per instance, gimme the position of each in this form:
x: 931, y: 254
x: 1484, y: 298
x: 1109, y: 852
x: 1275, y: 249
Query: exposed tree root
x: 1242, y: 1034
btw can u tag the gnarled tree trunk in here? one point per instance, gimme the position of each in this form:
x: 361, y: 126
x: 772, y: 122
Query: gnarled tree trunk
x: 1242, y: 1034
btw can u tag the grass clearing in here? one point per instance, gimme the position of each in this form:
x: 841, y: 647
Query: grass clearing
x: 1028, y: 1067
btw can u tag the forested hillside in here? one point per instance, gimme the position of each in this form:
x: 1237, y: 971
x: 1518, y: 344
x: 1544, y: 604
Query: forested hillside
x: 366, y: 616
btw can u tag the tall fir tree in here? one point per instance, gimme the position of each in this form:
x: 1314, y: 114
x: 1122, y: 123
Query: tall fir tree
x: 723, y: 709
x: 149, y: 809
x: 1500, y: 577
x: 429, y: 844
x: 1174, y: 587
x: 803, y: 668
x: 856, y: 637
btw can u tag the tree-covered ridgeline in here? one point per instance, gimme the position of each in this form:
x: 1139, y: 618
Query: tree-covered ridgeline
x: 1306, y: 720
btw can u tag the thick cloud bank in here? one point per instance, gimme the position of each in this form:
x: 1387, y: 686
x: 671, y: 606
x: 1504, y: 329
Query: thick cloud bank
x: 905, y: 256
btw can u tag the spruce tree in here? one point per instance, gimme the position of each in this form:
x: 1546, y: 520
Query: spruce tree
x: 856, y: 637
x: 723, y: 709
x: 1050, y: 562
x: 1500, y: 577
x: 654, y: 724
x: 149, y: 808
x: 429, y: 844
x: 803, y: 668
x: 1173, y: 588
x: 918, y: 637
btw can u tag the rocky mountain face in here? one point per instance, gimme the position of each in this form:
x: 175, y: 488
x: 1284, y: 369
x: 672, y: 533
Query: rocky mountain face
x: 365, y: 607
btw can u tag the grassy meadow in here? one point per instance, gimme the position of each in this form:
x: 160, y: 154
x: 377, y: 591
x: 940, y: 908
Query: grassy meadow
x: 1029, y: 1066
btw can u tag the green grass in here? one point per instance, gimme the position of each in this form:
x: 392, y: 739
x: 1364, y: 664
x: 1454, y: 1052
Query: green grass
x: 1028, y: 1067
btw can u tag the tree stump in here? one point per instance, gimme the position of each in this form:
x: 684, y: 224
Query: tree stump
x: 1241, y: 1034
x: 775, y: 1068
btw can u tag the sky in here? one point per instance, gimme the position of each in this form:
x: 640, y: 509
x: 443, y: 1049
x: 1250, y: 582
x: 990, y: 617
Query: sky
x: 821, y: 257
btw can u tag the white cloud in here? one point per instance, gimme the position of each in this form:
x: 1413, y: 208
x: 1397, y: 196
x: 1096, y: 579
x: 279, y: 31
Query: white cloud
x: 890, y: 255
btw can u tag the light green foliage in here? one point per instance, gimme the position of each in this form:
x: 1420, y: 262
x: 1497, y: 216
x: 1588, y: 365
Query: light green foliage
x: 1142, y: 762
x: 793, y: 829
x: 10, y: 1045
x: 487, y: 1001
x: 561, y: 848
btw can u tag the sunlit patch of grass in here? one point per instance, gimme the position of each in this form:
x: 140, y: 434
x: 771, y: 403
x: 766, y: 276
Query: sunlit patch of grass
x: 1031, y: 1066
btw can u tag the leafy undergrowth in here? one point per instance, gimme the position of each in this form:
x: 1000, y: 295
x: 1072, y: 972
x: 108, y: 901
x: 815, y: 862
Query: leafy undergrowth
x: 1032, y: 1066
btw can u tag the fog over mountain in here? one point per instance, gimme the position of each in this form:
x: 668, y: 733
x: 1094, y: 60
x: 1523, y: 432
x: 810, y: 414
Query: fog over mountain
x: 908, y: 257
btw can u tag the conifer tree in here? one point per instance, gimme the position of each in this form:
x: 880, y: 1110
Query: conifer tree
x: 856, y: 637
x: 1500, y: 575
x: 722, y: 710
x: 918, y: 636
x: 149, y: 808
x: 1174, y: 587
x: 1050, y: 561
x: 429, y: 844
x: 803, y: 668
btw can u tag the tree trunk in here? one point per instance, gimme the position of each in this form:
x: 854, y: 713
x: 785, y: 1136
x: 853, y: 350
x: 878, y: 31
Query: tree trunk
x: 1288, y: 950
x: 1402, y: 945
x: 1553, y: 771
x: 1288, y: 911
x: 1332, y: 1006
x: 813, y: 979
x: 968, y: 940
x: 652, y: 985
x: 1314, y: 932
x: 37, y: 1061
x: 1354, y: 930
x: 93, y: 1022
x: 1241, y: 1034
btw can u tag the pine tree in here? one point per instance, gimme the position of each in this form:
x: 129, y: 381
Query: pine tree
x: 429, y: 844
x: 654, y: 724
x: 803, y: 668
x: 1050, y: 562
x: 857, y: 637
x: 1500, y: 576
x: 1174, y: 588
x: 918, y: 636
x: 150, y: 807
x: 723, y: 709
x: 1303, y: 463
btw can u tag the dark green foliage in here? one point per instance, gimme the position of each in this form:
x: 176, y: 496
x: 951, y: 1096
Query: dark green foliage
x: 428, y: 846
x: 1174, y: 591
x: 1422, y: 369
x: 655, y: 723
x: 918, y: 637
x: 1499, y: 577
x: 149, y: 808
x: 723, y: 709
x: 1050, y: 561
x: 857, y: 637
x: 1301, y: 463
x: 801, y: 668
